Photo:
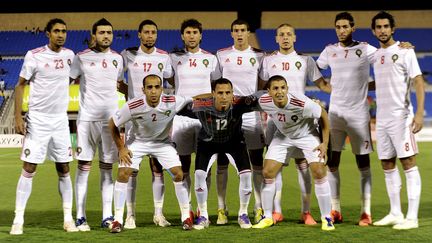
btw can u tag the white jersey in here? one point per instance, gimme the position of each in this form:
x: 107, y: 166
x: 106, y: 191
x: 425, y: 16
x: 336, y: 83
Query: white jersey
x: 100, y: 72
x: 350, y: 67
x: 194, y: 72
x: 394, y: 67
x: 139, y: 64
x: 295, y: 68
x: 241, y: 68
x: 48, y: 73
x: 296, y: 119
x: 151, y: 123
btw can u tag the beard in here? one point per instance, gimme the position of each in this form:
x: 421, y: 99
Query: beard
x: 149, y: 46
x: 386, y: 40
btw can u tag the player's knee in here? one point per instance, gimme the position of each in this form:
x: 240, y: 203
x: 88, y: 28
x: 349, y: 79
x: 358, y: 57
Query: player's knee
x: 29, y: 167
x: 62, y: 169
x: 408, y: 163
x: 124, y: 174
x: 269, y: 173
x: 318, y: 170
x: 177, y: 174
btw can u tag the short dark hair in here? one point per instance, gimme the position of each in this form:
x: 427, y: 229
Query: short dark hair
x: 193, y: 23
x: 346, y: 16
x: 151, y: 76
x: 100, y: 22
x: 273, y: 79
x: 383, y: 15
x: 240, y: 22
x: 52, y: 22
x: 220, y: 81
x: 146, y: 22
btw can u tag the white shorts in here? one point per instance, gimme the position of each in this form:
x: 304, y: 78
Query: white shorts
x: 185, y: 134
x: 92, y: 135
x: 47, y: 135
x: 269, y: 133
x: 165, y: 153
x: 357, y: 128
x: 395, y: 139
x: 253, y: 130
x: 283, y: 147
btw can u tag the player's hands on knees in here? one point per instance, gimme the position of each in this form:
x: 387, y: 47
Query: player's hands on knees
x: 20, y: 126
x: 125, y: 156
x: 322, y: 148
x: 417, y: 123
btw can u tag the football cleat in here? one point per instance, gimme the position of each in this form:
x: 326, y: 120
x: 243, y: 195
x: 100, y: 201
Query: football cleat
x: 259, y: 214
x: 277, y: 217
x: 365, y: 220
x: 160, y: 220
x: 327, y: 224
x: 201, y: 223
x: 407, y: 224
x: 222, y: 216
x: 307, y: 219
x: 82, y: 225
x: 70, y: 226
x: 130, y: 222
x: 244, y: 222
x: 116, y: 227
x: 107, y: 223
x: 336, y: 217
x: 187, y: 224
x: 17, y: 229
x: 264, y: 223
x: 390, y: 219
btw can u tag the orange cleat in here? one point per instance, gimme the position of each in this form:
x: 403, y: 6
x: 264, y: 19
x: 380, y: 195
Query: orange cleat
x: 365, y: 220
x: 336, y: 217
x: 307, y: 219
x: 277, y: 217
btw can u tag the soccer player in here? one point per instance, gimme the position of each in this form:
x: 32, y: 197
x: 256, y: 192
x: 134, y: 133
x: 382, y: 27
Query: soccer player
x: 47, y: 130
x: 152, y: 115
x: 394, y: 69
x: 221, y: 132
x: 241, y: 64
x: 139, y: 62
x: 194, y: 68
x: 296, y: 69
x: 294, y: 115
x: 350, y: 62
x: 100, y: 68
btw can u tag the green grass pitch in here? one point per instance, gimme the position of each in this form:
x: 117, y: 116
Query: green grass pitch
x: 44, y: 219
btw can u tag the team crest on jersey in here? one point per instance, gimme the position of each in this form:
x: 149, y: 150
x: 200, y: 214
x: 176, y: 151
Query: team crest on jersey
x: 26, y: 152
x: 252, y: 61
x: 79, y: 150
x: 160, y: 67
x: 167, y: 113
x: 69, y: 62
x: 358, y: 52
x: 114, y: 62
x: 206, y: 62
x: 294, y: 118
x: 395, y: 57
x: 298, y: 65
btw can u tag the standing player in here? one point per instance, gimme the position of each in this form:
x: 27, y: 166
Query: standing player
x: 396, y: 123
x: 294, y: 115
x: 152, y: 115
x: 350, y: 62
x: 194, y: 69
x: 100, y: 69
x: 296, y: 69
x: 47, y: 130
x: 241, y: 64
x: 140, y: 62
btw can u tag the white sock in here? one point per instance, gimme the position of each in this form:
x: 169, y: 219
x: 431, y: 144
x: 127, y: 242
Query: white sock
x: 268, y: 193
x: 66, y: 193
x: 201, y: 191
x: 322, y: 192
x: 366, y: 191
x: 131, y: 194
x: 305, y: 183
x: 221, y: 184
x: 81, y: 180
x: 393, y: 184
x: 158, y: 192
x: 183, y: 199
x: 188, y: 182
x: 334, y: 181
x: 414, y: 190
x: 120, y: 191
x: 245, y: 191
x: 23, y: 191
x: 257, y: 179
x: 208, y: 180
x: 107, y: 189
x: 278, y: 195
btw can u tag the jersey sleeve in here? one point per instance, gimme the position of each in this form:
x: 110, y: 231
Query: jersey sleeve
x: 216, y: 73
x: 413, y: 67
x: 120, y: 74
x: 370, y: 52
x: 122, y: 115
x: 311, y: 109
x: 312, y: 71
x: 264, y: 74
x: 322, y: 60
x: 29, y: 66
x: 75, y: 70
x: 168, y: 70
